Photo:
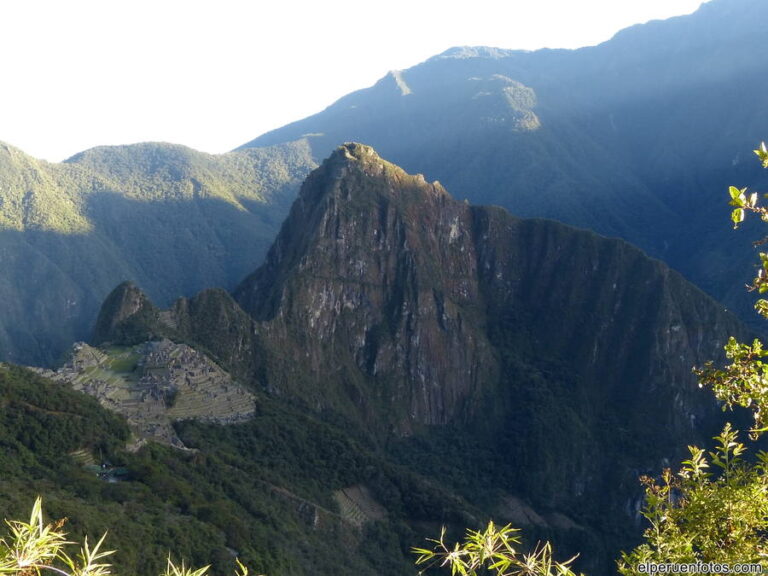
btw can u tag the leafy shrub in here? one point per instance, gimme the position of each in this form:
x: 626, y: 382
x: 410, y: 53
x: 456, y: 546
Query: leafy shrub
x: 35, y: 547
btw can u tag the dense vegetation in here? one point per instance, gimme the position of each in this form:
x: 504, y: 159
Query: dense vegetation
x: 167, y: 217
x: 232, y: 494
x: 262, y: 490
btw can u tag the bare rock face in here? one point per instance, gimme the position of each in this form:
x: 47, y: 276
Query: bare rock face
x: 376, y: 268
x: 384, y: 295
x: 387, y: 301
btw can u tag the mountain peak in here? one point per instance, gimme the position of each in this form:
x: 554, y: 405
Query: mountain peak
x: 356, y: 152
x: 126, y: 315
x: 364, y: 158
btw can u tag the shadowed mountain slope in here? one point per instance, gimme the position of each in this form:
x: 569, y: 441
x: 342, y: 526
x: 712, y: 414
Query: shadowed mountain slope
x: 170, y: 218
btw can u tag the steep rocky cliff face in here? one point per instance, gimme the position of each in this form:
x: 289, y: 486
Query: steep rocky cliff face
x: 383, y: 279
x: 595, y: 342
x: 376, y: 269
x: 509, y: 358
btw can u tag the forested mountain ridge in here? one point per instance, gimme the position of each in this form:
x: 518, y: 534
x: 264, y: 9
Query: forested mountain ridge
x: 173, y: 219
x: 451, y: 337
x: 637, y: 137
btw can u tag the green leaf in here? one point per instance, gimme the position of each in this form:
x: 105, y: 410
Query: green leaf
x: 762, y: 153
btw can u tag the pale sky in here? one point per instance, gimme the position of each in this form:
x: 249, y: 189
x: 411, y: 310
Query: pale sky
x: 214, y: 74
